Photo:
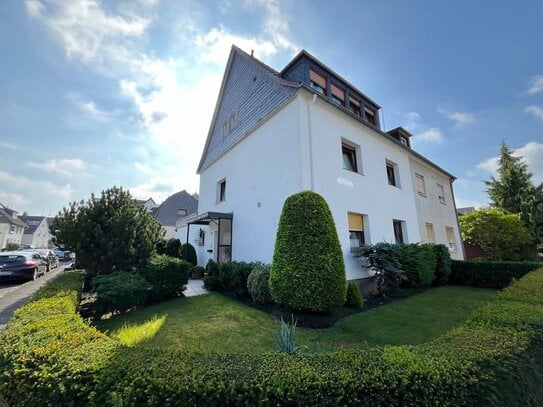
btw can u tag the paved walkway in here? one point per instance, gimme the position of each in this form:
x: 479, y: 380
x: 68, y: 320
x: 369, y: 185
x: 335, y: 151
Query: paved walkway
x: 18, y: 295
x: 194, y: 288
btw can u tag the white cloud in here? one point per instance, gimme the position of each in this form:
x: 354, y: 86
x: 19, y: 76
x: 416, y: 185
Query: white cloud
x: 536, y: 85
x: 156, y: 188
x: 413, y: 121
x: 12, y: 200
x: 465, y: 203
x: 431, y: 135
x: 88, y: 107
x: 537, y: 111
x: 6, y: 145
x: 64, y: 166
x: 532, y: 152
x: 460, y: 118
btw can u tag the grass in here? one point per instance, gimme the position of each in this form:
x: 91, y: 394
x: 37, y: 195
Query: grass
x: 216, y: 323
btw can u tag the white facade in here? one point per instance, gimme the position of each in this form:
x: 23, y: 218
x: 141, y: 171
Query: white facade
x: 299, y: 148
x: 10, y: 233
x: 40, y: 237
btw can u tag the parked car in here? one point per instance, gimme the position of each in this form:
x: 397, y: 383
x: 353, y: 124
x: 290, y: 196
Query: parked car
x: 59, y: 253
x: 52, y: 259
x: 20, y: 265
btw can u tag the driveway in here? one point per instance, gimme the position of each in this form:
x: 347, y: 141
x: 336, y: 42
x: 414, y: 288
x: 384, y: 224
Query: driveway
x: 13, y: 296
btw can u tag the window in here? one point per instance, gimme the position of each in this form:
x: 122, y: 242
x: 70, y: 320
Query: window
x: 421, y: 188
x: 12, y: 229
x: 369, y: 115
x: 338, y: 95
x: 430, y: 236
x: 399, y: 226
x: 392, y: 174
x: 441, y: 193
x: 318, y: 82
x: 221, y: 191
x: 356, y: 230
x: 450, y: 238
x: 354, y: 106
x: 224, y: 253
x: 404, y: 141
x: 349, y: 157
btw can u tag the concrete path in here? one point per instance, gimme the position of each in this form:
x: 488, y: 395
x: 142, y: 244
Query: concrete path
x: 14, y: 297
x: 194, y: 288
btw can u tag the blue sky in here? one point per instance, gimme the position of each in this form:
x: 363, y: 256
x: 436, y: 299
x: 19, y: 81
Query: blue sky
x: 101, y: 93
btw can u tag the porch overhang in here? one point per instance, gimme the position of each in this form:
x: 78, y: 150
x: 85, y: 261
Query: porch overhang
x: 202, y: 218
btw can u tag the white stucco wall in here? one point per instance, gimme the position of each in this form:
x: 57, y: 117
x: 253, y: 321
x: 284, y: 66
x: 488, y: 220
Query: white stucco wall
x: 431, y: 210
x: 202, y: 253
x: 40, y: 238
x: 366, y: 193
x: 261, y: 172
x: 7, y: 237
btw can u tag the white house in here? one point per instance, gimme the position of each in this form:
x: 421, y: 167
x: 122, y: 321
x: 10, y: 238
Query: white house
x: 36, y: 234
x: 11, y: 227
x: 307, y: 128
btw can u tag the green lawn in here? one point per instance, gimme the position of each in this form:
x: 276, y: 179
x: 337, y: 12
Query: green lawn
x: 218, y: 323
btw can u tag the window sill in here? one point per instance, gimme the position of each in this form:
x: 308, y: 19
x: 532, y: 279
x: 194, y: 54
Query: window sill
x: 422, y: 194
x: 352, y: 172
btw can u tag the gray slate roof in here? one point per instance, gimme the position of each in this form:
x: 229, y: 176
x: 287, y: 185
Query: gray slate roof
x: 7, y: 216
x: 166, y: 213
x: 29, y: 220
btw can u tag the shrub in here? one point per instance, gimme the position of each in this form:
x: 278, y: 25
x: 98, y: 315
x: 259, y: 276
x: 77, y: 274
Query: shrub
x: 170, y: 247
x: 307, y: 272
x: 167, y: 277
x: 488, y: 274
x: 258, y: 284
x: 354, y: 298
x: 383, y: 258
x: 443, y: 264
x: 188, y: 253
x: 418, y: 263
x: 12, y: 247
x: 120, y: 291
x: 212, y: 281
x: 233, y: 277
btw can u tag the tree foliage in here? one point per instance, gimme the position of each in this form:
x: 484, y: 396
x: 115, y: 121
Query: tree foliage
x: 109, y: 233
x: 188, y: 253
x: 308, y: 271
x: 502, y: 236
x: 384, y: 259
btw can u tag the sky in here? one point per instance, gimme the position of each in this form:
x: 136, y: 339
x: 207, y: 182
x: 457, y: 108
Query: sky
x: 101, y: 93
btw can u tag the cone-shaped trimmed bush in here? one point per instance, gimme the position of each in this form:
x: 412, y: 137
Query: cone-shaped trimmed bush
x: 308, y: 272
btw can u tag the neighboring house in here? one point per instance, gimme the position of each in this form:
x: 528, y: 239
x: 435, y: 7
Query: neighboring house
x: 465, y: 210
x: 174, y: 207
x: 11, y: 227
x: 36, y: 234
x: 307, y: 128
x: 148, y: 204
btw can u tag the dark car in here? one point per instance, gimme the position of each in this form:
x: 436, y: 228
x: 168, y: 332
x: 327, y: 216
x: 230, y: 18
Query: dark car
x: 16, y: 266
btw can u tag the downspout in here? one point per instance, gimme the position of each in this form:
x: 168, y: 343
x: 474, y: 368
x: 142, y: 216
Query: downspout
x: 457, y: 221
x: 310, y: 141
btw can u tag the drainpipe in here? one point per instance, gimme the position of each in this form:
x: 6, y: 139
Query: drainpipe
x: 457, y: 221
x: 310, y: 141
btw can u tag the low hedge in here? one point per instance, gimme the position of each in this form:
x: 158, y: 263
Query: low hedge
x: 230, y: 277
x: 419, y: 264
x: 119, y: 292
x: 495, y: 358
x: 488, y: 274
x: 167, y: 277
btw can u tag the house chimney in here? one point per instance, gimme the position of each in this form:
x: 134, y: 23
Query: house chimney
x: 252, y: 53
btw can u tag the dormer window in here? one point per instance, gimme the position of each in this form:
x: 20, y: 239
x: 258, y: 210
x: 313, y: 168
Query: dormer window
x: 354, y: 106
x: 338, y: 95
x: 318, y: 82
x: 369, y: 115
x: 404, y: 141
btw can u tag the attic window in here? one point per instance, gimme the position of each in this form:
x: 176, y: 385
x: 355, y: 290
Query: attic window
x: 338, y: 95
x: 404, y: 141
x: 318, y: 82
x: 369, y: 115
x: 354, y: 106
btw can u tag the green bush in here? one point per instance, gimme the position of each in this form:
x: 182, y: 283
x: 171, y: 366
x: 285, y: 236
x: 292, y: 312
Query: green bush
x: 233, y: 277
x: 443, y: 264
x: 258, y: 284
x: 212, y: 281
x: 188, y: 253
x: 167, y: 277
x: 354, y: 298
x: 50, y: 356
x: 120, y: 291
x: 198, y: 271
x: 419, y: 264
x: 307, y: 272
x: 384, y: 259
x: 488, y: 274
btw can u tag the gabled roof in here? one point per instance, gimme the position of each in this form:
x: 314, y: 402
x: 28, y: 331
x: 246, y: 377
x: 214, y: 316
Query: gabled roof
x: 166, y: 213
x: 8, y: 216
x: 32, y: 223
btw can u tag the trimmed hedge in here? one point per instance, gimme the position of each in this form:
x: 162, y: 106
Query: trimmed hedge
x: 354, y: 298
x: 443, y: 264
x: 188, y: 253
x: 258, y: 284
x: 119, y: 291
x: 308, y: 270
x: 167, y: 276
x: 419, y: 264
x: 211, y: 280
x: 48, y: 355
x: 488, y: 274
x: 233, y: 277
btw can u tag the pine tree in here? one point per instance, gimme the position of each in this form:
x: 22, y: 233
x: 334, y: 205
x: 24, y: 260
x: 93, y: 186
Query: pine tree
x: 513, y: 190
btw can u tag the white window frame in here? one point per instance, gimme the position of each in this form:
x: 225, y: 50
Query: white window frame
x: 441, y: 193
x: 423, y: 183
x: 395, y: 171
x: 357, y: 155
x: 221, y: 195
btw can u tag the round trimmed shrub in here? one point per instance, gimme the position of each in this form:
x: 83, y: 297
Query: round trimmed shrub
x: 212, y: 280
x: 258, y: 284
x: 167, y: 276
x: 188, y: 253
x: 354, y: 298
x: 308, y: 271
